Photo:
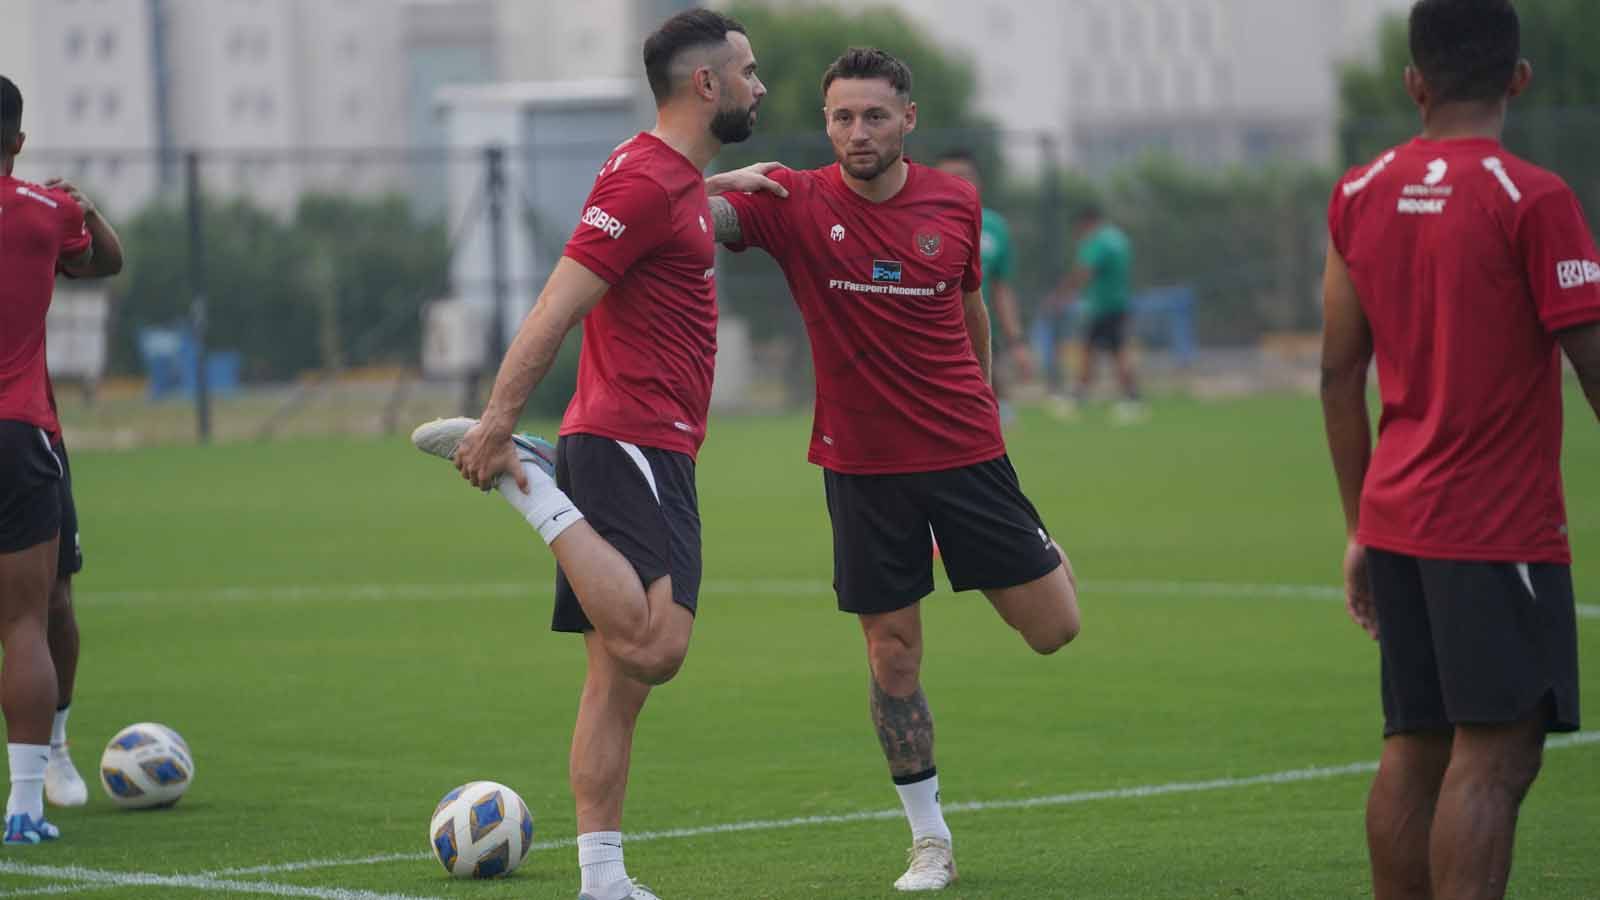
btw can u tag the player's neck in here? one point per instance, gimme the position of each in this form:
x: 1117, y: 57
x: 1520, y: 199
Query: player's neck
x: 688, y: 136
x: 882, y: 188
x: 7, y: 165
x: 1464, y: 121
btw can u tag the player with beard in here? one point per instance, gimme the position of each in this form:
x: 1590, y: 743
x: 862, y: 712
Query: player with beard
x: 882, y: 257
x: 616, y: 501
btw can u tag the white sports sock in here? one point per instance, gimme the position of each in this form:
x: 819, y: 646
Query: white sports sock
x: 921, y: 802
x: 600, y: 859
x: 58, y: 730
x: 27, y: 779
x: 545, y: 506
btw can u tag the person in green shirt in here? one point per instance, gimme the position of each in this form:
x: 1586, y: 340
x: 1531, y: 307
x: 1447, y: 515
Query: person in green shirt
x: 1101, y: 280
x: 996, y: 257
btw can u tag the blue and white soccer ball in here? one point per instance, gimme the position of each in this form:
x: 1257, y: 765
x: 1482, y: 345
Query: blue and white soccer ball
x: 481, y: 829
x: 146, y: 765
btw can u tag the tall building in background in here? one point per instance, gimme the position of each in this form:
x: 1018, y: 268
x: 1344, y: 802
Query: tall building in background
x: 1214, y: 82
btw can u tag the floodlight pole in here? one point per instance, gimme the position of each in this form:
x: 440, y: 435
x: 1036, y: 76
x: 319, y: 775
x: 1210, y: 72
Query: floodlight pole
x: 197, y: 291
x: 499, y: 286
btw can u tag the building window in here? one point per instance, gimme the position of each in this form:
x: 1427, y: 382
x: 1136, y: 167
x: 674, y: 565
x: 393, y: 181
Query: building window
x: 1153, y: 88
x: 75, y: 42
x: 1187, y: 90
x: 1222, y: 83
x: 1083, y: 84
x: 1166, y: 19
x: 108, y: 44
x: 352, y: 107
x: 266, y: 107
x: 78, y: 105
x: 1001, y: 23
x: 350, y: 47
x: 1116, y: 87
x: 1132, y: 29
x: 1099, y: 31
x: 110, y: 105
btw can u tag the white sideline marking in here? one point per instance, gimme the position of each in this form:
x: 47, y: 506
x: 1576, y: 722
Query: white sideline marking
x: 1292, y: 776
x: 99, y: 878
x: 73, y: 889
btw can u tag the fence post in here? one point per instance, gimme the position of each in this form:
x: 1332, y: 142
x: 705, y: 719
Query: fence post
x: 197, y: 292
x: 495, y: 159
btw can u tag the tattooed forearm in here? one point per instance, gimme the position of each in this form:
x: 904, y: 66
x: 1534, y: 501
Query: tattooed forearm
x: 905, y: 729
x: 726, y: 219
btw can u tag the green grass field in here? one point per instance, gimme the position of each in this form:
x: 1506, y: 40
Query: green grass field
x: 344, y: 630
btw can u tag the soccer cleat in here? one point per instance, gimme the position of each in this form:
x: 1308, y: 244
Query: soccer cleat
x: 441, y: 437
x: 932, y: 866
x: 633, y: 891
x: 62, y: 784
x: 1130, y: 412
x: 24, y: 829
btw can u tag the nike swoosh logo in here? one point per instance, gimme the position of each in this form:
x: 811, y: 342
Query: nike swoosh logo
x: 557, y: 518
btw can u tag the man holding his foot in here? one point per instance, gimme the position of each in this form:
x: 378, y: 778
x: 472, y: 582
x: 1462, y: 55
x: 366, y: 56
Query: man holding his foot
x: 616, y: 501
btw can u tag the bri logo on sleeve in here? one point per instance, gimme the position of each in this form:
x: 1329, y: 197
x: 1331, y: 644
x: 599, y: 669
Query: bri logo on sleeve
x: 596, y: 217
x: 1575, y: 273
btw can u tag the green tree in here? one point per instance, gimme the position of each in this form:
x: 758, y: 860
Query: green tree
x: 341, y: 283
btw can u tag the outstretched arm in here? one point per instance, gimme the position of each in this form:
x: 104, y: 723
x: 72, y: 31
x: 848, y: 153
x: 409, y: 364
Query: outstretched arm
x: 485, y: 453
x: 747, y: 180
x: 1583, y: 348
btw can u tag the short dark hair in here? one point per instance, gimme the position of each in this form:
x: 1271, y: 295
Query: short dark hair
x: 869, y: 62
x: 1466, y: 50
x: 10, y: 109
x: 684, y: 31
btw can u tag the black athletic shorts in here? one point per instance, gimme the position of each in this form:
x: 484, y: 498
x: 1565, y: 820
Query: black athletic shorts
x: 1473, y: 643
x: 643, y: 501
x: 884, y: 526
x: 30, y: 498
x: 70, y: 561
x: 1108, y: 332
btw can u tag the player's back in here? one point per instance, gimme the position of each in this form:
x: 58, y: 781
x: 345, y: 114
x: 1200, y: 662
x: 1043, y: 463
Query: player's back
x: 1466, y: 260
x: 38, y: 227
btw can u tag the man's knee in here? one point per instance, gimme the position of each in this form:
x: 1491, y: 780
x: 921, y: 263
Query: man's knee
x: 1506, y: 758
x: 1053, y: 634
x: 896, y: 659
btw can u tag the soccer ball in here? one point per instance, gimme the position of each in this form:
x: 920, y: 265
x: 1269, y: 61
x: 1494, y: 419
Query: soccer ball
x: 481, y: 830
x: 146, y: 765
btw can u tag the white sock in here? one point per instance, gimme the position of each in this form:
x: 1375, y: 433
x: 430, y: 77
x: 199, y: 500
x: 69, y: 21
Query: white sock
x: 27, y: 779
x: 545, y: 506
x: 600, y: 859
x: 58, y: 730
x: 921, y: 801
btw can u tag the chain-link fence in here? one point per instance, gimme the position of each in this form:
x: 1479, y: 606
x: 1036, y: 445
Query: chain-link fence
x: 356, y: 291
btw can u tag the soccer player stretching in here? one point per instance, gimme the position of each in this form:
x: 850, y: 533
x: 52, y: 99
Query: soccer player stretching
x: 882, y: 257
x: 43, y: 229
x: 617, y: 501
x: 1462, y: 269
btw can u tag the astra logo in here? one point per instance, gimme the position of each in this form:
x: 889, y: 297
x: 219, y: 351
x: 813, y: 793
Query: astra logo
x: 598, y: 218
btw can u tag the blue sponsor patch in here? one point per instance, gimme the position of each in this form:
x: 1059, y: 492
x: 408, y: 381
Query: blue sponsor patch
x: 886, y: 270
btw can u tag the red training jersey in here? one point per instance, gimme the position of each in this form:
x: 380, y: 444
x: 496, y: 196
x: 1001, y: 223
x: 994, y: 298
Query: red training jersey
x: 650, y: 346
x: 39, y: 228
x: 1467, y: 260
x: 880, y: 286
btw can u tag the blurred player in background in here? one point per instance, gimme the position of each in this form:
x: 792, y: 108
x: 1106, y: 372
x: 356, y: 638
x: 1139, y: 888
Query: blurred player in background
x: 1464, y: 270
x: 617, y: 501
x: 998, y: 272
x: 43, y: 229
x: 883, y: 258
x: 1101, y: 283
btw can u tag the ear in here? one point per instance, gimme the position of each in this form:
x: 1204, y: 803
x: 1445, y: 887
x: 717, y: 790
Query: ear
x: 705, y: 83
x: 1416, y: 87
x: 1520, y: 79
x: 911, y: 117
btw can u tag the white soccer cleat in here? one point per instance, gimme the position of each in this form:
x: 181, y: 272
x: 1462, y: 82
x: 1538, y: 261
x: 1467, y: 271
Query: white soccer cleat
x: 63, y: 786
x: 624, y: 890
x: 932, y: 866
x: 441, y: 437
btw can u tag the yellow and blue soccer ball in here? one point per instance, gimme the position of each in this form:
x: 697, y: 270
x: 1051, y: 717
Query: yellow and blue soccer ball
x: 146, y: 765
x: 481, y: 829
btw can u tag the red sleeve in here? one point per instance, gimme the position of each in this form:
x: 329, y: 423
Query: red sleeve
x: 626, y: 218
x: 1336, y: 208
x: 761, y: 213
x: 74, y: 233
x: 1559, y: 256
x: 972, y: 278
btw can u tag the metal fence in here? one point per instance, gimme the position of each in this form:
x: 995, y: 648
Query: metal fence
x: 275, y: 293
